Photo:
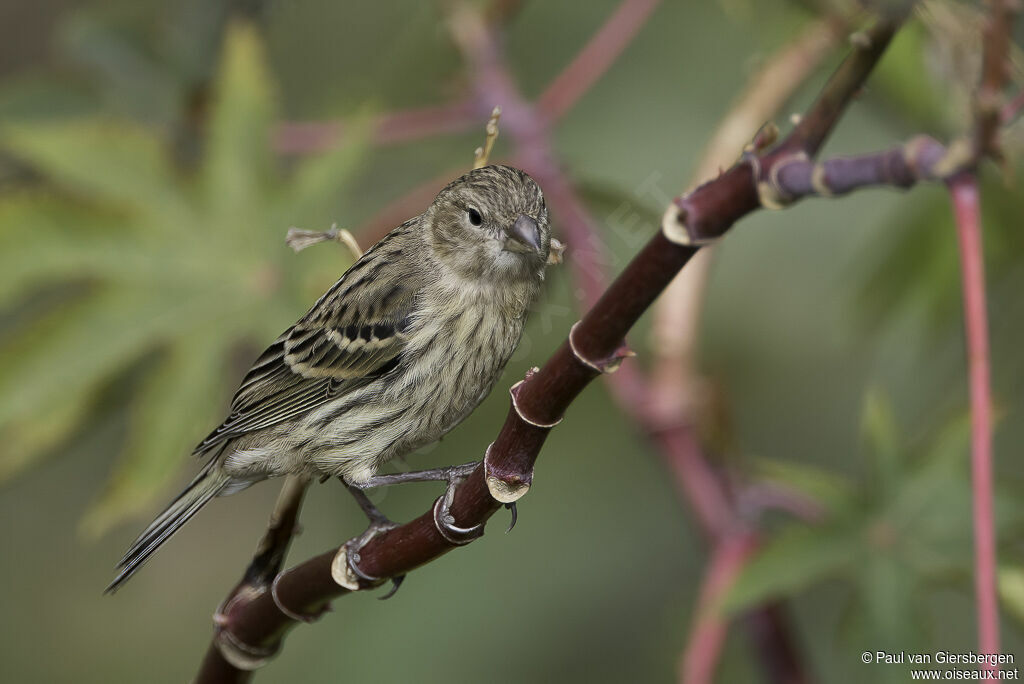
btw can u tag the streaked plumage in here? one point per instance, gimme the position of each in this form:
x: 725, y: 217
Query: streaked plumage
x: 401, y: 349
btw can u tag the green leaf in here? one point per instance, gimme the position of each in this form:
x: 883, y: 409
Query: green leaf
x: 136, y: 259
x: 915, y: 269
x: 238, y: 163
x: 828, y: 489
x: 795, y: 558
x: 1011, y: 591
x: 888, y: 590
x: 46, y: 240
x: 169, y: 417
x: 33, y: 437
x: 118, y: 162
x: 138, y: 85
x: 930, y: 511
x: 878, y: 425
x: 77, y: 346
x: 899, y: 78
x: 318, y: 181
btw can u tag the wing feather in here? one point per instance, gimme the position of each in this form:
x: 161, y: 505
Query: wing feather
x: 354, y: 333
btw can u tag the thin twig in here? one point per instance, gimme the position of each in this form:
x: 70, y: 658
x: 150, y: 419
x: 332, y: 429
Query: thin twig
x: 988, y: 100
x: 669, y: 411
x: 299, y: 239
x: 814, y: 127
x: 707, y: 635
x: 600, y: 52
x: 273, y: 547
x: 494, y: 83
x: 966, y: 209
x: 304, y: 137
x: 405, y: 207
x: 677, y: 312
x: 258, y: 578
x: 483, y: 154
x: 988, y: 118
x: 1012, y: 108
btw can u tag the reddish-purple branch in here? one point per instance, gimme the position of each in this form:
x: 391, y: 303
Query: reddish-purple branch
x: 814, y: 127
x: 304, y: 137
x: 709, y: 630
x: 404, y: 208
x: 600, y: 52
x: 1012, y: 108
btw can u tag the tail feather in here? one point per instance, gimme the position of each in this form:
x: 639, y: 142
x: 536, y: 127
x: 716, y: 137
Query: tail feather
x: 211, y: 482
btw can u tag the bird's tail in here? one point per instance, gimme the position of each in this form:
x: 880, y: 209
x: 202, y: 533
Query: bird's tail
x: 210, y: 482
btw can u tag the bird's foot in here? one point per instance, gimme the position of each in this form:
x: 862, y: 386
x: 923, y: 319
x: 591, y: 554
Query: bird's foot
x: 443, y: 518
x: 378, y: 525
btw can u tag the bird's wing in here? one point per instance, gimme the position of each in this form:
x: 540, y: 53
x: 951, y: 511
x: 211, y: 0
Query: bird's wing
x: 354, y: 333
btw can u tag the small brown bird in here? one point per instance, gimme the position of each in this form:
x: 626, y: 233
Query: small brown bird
x: 400, y: 350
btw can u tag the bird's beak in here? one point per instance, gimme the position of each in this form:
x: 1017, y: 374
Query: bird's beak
x: 524, y: 235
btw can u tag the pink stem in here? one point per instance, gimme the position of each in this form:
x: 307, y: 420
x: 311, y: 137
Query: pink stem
x: 964, y: 192
x: 1012, y: 108
x: 403, y: 208
x: 303, y: 137
x: 709, y: 629
x: 597, y: 55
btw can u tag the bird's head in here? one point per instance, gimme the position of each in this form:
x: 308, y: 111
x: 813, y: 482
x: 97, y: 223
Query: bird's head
x: 491, y: 223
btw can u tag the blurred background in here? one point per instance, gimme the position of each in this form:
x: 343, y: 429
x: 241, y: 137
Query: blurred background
x: 147, y: 179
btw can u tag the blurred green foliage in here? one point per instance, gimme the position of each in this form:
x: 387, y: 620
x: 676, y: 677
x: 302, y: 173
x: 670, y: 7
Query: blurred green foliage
x: 168, y: 267
x: 142, y: 266
x: 893, y: 537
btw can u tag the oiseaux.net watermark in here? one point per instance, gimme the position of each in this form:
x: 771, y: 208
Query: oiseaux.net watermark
x: 948, y: 665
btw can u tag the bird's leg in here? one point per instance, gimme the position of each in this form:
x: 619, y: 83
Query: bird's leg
x: 379, y: 523
x: 373, y: 514
x: 453, y: 475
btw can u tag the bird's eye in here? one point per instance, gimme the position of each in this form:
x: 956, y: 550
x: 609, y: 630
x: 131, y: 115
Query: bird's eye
x: 474, y: 217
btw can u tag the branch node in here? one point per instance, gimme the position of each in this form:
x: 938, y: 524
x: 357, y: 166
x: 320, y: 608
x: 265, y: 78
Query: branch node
x: 237, y: 653
x: 607, y: 365
x: 921, y: 154
x: 819, y: 182
x: 860, y: 40
x: 764, y: 138
x: 770, y: 194
x: 514, y: 391
x: 674, y: 228
x: 242, y: 656
x: 298, y: 617
x: 504, y: 485
x: 960, y: 155
x: 342, y: 572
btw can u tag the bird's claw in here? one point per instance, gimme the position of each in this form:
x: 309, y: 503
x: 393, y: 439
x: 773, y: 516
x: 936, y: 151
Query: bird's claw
x: 443, y: 518
x: 511, y: 506
x: 377, y: 526
x: 395, y: 583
